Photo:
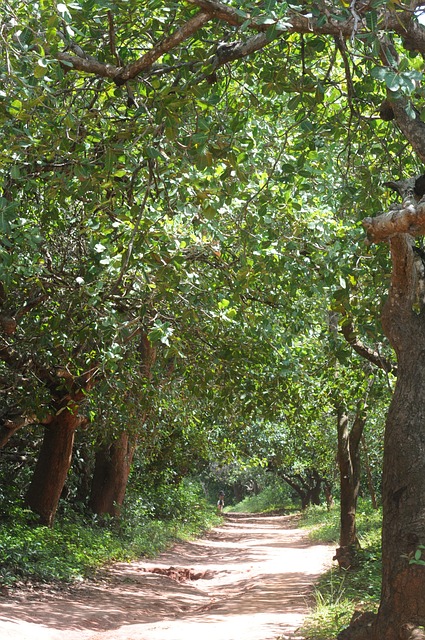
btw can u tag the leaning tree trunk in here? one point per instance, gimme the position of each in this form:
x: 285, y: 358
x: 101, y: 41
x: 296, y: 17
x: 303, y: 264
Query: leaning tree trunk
x: 349, y: 469
x: 53, y: 464
x: 112, y: 468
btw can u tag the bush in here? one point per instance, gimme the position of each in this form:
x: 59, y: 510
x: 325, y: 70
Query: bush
x: 78, y: 545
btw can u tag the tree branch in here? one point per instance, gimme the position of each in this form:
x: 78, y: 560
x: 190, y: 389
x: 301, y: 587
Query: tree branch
x: 410, y: 124
x: 409, y: 218
x: 372, y: 356
x: 120, y: 75
x: 183, y: 33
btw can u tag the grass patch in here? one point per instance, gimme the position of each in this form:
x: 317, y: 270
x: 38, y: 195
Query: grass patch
x: 339, y: 592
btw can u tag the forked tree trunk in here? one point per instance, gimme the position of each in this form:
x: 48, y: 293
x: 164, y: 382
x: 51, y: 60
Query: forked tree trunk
x: 349, y: 469
x: 308, y: 488
x: 112, y: 468
x: 53, y: 464
x: 113, y: 460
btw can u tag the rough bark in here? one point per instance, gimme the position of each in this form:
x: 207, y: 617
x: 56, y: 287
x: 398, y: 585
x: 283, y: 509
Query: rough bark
x: 403, y: 491
x: 402, y: 605
x: 349, y: 468
x: 53, y: 464
x: 112, y: 468
x: 55, y: 454
x: 407, y: 219
x: 370, y: 484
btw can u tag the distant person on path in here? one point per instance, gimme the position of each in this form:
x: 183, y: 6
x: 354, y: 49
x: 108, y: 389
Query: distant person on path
x: 220, y: 503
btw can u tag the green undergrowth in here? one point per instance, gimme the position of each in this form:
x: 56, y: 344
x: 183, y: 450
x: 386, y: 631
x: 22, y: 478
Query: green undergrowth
x: 79, y: 545
x: 338, y: 592
x: 270, y: 499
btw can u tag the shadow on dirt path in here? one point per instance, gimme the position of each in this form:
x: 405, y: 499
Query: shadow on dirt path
x: 249, y: 579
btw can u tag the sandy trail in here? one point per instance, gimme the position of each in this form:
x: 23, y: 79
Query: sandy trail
x: 249, y: 579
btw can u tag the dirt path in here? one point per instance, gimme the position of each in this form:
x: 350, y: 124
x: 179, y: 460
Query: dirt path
x: 250, y: 578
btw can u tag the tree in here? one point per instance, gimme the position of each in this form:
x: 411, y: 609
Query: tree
x: 349, y: 467
x: 402, y: 607
x: 335, y: 67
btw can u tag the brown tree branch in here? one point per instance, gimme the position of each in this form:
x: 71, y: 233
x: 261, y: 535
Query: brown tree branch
x: 408, y: 219
x: 9, y: 426
x: 366, y: 352
x: 183, y: 33
x: 120, y: 75
x: 339, y: 24
x: 410, y: 124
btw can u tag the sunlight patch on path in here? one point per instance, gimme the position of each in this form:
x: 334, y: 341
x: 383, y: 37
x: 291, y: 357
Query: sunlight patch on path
x: 250, y: 578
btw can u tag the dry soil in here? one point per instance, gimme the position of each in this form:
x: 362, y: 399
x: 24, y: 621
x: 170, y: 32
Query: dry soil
x: 249, y: 579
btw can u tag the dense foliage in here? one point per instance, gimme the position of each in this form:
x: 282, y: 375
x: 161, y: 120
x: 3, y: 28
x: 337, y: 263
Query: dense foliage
x: 184, y: 283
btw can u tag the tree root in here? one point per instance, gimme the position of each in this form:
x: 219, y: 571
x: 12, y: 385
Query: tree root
x: 346, y: 556
x: 361, y: 627
x: 412, y: 632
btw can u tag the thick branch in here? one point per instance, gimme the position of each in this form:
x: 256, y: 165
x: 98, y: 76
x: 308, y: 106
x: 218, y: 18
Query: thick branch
x: 401, y: 22
x: 8, y: 427
x: 88, y: 64
x: 183, y: 33
x: 342, y: 25
x: 410, y: 219
x: 411, y: 125
x: 82, y: 62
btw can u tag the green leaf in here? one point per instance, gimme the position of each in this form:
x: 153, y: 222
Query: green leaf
x: 15, y: 172
x: 372, y: 20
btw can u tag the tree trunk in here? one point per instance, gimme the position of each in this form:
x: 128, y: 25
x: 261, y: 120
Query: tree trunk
x: 402, y: 606
x: 327, y: 487
x: 53, y: 464
x: 403, y: 492
x: 238, y: 491
x: 349, y: 469
x: 316, y: 487
x: 370, y: 484
x: 112, y: 468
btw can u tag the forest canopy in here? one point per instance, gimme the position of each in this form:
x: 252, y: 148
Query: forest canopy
x: 192, y: 261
